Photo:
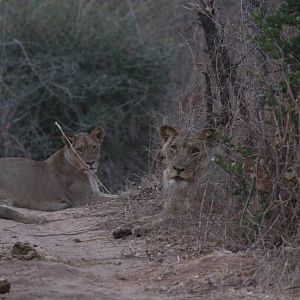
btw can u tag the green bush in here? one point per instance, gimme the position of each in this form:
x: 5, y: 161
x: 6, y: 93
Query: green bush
x: 80, y: 63
x: 266, y: 174
x: 270, y: 172
x: 280, y: 38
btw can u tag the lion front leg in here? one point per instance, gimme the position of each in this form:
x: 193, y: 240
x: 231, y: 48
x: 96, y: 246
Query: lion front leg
x: 58, y: 205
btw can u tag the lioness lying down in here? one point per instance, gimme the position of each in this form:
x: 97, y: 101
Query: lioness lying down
x: 66, y: 179
x: 189, y: 179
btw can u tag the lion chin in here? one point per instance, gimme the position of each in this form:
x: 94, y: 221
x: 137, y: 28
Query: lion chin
x: 177, y: 183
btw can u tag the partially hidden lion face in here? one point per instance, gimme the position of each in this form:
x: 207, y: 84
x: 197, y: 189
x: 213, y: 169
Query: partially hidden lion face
x: 184, y: 151
x: 82, y: 150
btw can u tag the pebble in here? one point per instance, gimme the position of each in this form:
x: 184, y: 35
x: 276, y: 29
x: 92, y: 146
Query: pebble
x: 4, y: 286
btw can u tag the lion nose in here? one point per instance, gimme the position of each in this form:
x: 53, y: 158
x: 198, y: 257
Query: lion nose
x: 90, y: 163
x: 179, y: 170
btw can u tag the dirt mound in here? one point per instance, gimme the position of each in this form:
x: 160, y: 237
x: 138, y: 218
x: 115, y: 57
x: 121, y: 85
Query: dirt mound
x: 24, y: 251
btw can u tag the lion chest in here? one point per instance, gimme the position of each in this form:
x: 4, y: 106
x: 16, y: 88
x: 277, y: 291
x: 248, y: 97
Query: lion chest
x: 77, y: 188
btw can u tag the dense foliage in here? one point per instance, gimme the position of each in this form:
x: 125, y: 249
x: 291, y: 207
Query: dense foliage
x: 280, y: 37
x: 274, y: 161
x: 80, y: 63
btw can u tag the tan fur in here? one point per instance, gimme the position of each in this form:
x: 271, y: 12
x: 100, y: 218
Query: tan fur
x: 62, y: 181
x: 188, y: 179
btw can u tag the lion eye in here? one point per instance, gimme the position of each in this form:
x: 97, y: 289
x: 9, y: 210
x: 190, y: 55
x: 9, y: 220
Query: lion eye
x: 173, y: 148
x: 94, y: 148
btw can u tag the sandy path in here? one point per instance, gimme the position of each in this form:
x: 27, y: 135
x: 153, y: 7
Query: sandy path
x: 80, y: 260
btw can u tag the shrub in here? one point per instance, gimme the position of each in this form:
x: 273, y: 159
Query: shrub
x: 268, y: 180
x: 82, y: 64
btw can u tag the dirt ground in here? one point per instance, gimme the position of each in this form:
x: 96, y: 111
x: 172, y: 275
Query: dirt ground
x: 74, y: 256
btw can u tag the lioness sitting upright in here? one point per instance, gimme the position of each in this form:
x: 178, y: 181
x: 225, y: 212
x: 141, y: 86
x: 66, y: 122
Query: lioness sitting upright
x: 66, y: 179
x: 189, y: 179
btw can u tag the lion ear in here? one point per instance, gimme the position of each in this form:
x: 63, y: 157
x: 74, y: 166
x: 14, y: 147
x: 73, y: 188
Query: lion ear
x: 98, y: 134
x: 166, y: 132
x: 68, y: 138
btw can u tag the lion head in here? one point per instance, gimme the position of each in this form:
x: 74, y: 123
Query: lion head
x: 188, y: 155
x: 184, y: 151
x: 82, y: 150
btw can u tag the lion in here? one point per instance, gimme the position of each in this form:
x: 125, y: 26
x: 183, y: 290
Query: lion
x: 189, y: 178
x: 66, y: 179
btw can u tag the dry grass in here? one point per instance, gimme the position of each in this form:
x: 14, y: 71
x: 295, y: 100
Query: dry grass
x: 259, y: 131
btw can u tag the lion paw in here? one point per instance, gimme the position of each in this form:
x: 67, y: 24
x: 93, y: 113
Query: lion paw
x: 40, y: 220
x: 33, y: 220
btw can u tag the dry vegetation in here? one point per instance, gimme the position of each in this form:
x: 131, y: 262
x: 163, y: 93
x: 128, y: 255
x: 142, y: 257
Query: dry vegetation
x: 237, y: 74
x: 246, y: 66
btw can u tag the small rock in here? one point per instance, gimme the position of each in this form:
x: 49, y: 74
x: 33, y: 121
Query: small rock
x: 4, y: 286
x: 120, y: 277
x: 121, y: 232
